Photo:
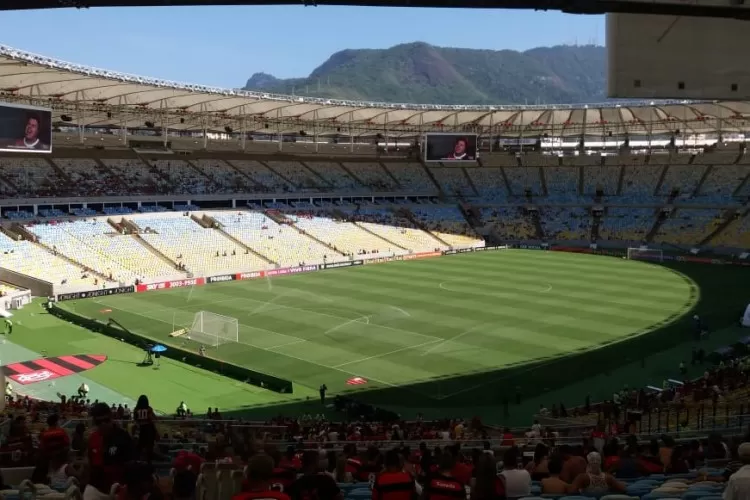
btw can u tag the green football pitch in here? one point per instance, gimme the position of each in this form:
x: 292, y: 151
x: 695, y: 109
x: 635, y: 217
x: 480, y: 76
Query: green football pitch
x: 427, y: 333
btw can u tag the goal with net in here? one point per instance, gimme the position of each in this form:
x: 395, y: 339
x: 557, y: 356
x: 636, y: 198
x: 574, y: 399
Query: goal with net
x: 213, y: 329
x: 643, y: 253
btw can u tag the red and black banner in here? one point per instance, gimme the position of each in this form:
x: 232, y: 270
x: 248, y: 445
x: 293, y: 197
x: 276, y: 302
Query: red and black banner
x: 39, y: 370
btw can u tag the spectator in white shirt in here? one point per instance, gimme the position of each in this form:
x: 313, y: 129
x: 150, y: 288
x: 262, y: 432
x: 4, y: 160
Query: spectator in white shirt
x: 738, y: 486
x: 517, y: 480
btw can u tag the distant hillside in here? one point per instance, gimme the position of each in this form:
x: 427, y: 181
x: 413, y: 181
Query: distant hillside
x: 421, y: 73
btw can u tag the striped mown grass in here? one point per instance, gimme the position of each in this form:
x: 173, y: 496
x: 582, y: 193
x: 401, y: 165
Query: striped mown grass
x: 419, y: 325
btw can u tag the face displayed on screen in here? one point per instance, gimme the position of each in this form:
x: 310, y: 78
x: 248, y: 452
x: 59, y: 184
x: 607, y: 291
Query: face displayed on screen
x: 31, y: 133
x: 460, y: 148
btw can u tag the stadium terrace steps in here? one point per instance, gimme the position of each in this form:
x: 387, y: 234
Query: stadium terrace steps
x: 703, y: 178
x: 209, y: 222
x: 390, y: 174
x: 308, y: 235
x: 111, y: 172
x: 10, y: 233
x: 543, y: 180
x: 246, y: 175
x: 62, y: 174
x: 148, y: 246
x: 381, y: 237
x: 275, y: 171
x: 505, y: 179
x: 410, y: 215
x: 25, y: 233
x: 432, y: 177
x: 659, y: 183
x: 742, y: 185
x: 5, y: 179
x: 470, y: 182
x: 323, y: 182
x: 350, y: 173
x: 73, y: 261
x: 620, y: 179
x: 657, y: 225
x: 728, y: 216
x: 200, y: 171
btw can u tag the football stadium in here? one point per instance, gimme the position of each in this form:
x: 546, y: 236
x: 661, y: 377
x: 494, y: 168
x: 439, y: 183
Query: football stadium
x: 324, y: 273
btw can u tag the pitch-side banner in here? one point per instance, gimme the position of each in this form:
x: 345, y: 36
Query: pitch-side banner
x: 102, y: 292
x: 164, y: 285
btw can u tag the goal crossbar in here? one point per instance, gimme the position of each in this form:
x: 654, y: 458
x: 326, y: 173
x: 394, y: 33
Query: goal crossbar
x: 213, y: 329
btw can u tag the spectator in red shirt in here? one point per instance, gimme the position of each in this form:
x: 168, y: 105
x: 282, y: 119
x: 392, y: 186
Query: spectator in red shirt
x: 53, y: 440
x: 393, y: 483
x: 314, y: 484
x: 109, y: 450
x: 442, y: 485
x: 258, y: 480
x: 487, y: 484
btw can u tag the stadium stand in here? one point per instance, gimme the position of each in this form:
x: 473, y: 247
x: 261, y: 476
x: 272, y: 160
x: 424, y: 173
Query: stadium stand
x: 374, y: 176
x: 688, y: 226
x: 33, y: 177
x: 453, y: 181
x: 598, y: 177
x: 627, y: 224
x: 259, y: 173
x: 24, y: 257
x: 509, y: 223
x: 521, y: 179
x: 281, y: 243
x: 203, y: 251
x: 639, y: 181
x: 489, y: 184
x: 224, y: 176
x: 412, y: 177
x: 448, y: 225
x: 720, y: 184
x: 335, y: 175
x: 297, y: 174
x: 137, y: 177
x: 566, y: 223
x: 735, y: 235
x: 88, y: 178
x: 682, y: 179
x: 562, y: 184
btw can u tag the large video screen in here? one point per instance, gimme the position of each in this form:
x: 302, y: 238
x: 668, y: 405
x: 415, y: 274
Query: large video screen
x: 25, y: 129
x: 450, y: 147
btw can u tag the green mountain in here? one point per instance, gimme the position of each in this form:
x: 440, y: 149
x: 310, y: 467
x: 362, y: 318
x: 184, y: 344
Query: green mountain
x: 424, y: 74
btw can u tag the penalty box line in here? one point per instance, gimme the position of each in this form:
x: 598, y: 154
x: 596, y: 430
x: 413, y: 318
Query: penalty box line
x: 268, y: 349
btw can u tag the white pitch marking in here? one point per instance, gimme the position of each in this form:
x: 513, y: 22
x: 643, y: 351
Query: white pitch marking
x: 548, y: 289
x: 387, y: 353
x: 401, y: 311
x: 288, y: 343
x: 452, y: 339
x: 355, y: 320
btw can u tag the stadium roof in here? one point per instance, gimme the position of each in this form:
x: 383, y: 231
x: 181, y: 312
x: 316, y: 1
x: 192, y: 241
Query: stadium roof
x: 702, y: 8
x: 95, y: 97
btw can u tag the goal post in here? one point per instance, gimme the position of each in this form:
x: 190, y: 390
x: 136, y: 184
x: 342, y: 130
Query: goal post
x: 213, y: 329
x: 643, y: 253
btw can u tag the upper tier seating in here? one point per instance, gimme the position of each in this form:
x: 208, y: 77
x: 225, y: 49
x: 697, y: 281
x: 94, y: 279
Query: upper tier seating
x: 89, y: 178
x: 298, y: 175
x: 523, y: 178
x: 182, y: 240
x: 562, y: 184
x: 721, y: 183
x: 688, y: 226
x: 627, y: 224
x: 33, y: 177
x: 136, y: 175
x: 373, y: 176
x: 489, y: 183
x: 258, y: 172
x: 412, y: 177
x: 335, y: 175
x: 453, y: 181
x: 601, y: 177
x: 639, y: 183
x: 225, y: 177
x: 682, y: 178
x: 32, y: 260
x: 179, y: 177
x: 279, y: 242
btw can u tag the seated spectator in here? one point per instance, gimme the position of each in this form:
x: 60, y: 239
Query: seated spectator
x: 110, y: 448
x: 628, y: 466
x: 553, y: 485
x: 517, y: 479
x: 313, y: 483
x: 594, y: 481
x: 442, y: 485
x: 259, y: 472
x: 183, y: 486
x: 739, y: 482
x: 573, y: 464
x: 487, y: 485
x: 538, y: 468
x: 678, y: 462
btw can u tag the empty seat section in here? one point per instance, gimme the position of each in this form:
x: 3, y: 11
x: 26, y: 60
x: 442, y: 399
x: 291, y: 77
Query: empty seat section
x: 688, y: 226
x: 373, y: 176
x: 344, y: 236
x: 601, y: 178
x: 448, y: 224
x: 489, y: 183
x: 566, y: 223
x: 89, y: 178
x: 453, y: 181
x: 137, y: 176
x: 523, y: 178
x: 263, y: 176
x: 627, y: 224
x: 223, y: 175
x: 509, y: 223
x: 683, y: 179
x: 411, y: 177
x: 335, y: 175
x: 279, y: 242
x: 297, y: 174
x: 639, y: 183
x: 179, y: 177
x: 562, y: 184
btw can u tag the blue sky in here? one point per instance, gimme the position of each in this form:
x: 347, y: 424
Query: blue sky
x: 223, y: 46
